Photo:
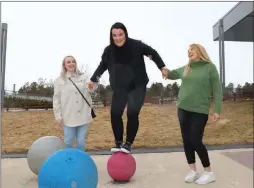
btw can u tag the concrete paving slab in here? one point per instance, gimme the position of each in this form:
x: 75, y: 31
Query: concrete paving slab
x: 153, y: 171
x: 243, y: 157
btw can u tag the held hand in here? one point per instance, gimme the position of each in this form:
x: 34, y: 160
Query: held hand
x: 215, y: 117
x: 90, y: 85
x: 164, y: 72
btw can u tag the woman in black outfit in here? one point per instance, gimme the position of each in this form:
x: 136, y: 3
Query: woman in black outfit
x: 124, y: 60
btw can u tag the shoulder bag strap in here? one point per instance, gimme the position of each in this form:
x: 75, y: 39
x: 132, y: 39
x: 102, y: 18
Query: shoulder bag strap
x: 80, y: 93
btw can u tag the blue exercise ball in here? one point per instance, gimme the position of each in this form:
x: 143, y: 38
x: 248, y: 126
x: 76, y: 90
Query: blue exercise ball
x: 68, y: 168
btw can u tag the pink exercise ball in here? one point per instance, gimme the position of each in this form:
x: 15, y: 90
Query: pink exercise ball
x: 121, y: 166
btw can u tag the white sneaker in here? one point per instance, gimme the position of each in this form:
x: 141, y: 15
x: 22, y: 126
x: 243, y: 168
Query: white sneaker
x: 191, y: 176
x: 117, y: 147
x: 207, y: 177
x: 114, y: 150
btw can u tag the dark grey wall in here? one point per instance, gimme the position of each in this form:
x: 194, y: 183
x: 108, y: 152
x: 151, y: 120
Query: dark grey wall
x: 243, y: 31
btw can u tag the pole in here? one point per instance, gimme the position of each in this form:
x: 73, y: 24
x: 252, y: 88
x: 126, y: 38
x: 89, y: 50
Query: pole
x: 222, y: 54
x: 221, y: 77
x: 4, y: 46
x: 223, y: 57
x: 1, y: 96
x: 14, y: 89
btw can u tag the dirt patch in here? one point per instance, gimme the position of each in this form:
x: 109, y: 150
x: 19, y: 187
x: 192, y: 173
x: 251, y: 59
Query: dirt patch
x: 159, y: 127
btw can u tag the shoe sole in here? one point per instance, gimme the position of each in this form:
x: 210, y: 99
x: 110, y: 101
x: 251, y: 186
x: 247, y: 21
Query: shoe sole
x: 124, y: 150
x: 205, y: 183
x: 196, y: 178
x: 114, y: 150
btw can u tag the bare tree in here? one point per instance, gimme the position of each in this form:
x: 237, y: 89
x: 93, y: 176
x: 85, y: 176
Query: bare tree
x: 83, y: 68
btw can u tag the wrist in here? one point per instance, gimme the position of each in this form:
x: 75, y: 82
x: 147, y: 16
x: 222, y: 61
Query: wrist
x: 163, y: 68
x: 216, y: 111
x: 93, y: 79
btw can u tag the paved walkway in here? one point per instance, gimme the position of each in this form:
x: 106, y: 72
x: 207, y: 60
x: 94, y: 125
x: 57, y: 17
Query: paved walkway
x: 233, y: 169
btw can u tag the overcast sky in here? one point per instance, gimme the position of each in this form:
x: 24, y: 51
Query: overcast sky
x: 41, y: 34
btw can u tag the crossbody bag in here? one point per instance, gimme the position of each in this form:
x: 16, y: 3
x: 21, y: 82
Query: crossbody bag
x: 92, y: 110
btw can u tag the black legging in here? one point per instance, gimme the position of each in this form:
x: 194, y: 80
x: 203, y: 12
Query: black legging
x: 192, y: 128
x: 134, y: 100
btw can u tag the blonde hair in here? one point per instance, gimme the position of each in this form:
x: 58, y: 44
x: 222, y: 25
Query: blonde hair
x: 201, y: 52
x: 63, y: 71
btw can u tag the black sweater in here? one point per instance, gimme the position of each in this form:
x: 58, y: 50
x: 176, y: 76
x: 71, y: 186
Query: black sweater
x: 126, y: 65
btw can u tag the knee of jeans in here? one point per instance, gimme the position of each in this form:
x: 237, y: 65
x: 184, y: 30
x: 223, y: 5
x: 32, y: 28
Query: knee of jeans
x: 80, y: 141
x: 69, y: 139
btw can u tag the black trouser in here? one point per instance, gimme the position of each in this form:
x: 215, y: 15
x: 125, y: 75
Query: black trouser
x: 192, y: 128
x: 134, y: 100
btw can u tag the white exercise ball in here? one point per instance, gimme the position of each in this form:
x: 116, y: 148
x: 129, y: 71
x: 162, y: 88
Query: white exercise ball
x: 41, y: 149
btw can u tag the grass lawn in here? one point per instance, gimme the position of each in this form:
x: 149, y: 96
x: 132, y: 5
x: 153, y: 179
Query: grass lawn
x: 159, y: 127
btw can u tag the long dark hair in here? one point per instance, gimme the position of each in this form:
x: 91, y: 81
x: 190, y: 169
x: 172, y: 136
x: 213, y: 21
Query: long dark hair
x: 118, y: 25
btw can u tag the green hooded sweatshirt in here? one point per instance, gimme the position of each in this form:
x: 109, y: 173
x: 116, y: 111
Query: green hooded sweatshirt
x: 198, y: 86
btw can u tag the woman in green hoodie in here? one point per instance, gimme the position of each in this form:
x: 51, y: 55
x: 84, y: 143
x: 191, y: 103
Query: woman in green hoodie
x: 200, y: 81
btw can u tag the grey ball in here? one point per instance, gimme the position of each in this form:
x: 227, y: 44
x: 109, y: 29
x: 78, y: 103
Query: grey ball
x: 41, y: 149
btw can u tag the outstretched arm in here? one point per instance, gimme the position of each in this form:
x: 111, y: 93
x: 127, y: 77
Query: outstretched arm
x: 217, y: 89
x: 152, y: 54
x: 103, y: 66
x: 175, y: 74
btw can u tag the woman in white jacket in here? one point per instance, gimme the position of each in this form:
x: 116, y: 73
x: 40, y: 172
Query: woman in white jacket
x: 70, y: 109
